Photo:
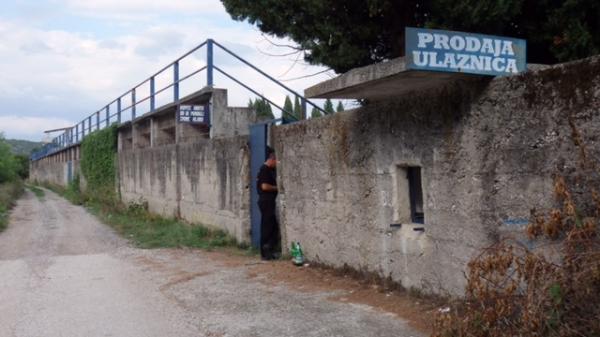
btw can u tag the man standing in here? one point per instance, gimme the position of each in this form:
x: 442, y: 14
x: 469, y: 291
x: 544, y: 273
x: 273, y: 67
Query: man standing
x: 267, y: 192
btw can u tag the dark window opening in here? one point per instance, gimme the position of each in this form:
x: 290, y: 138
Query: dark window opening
x: 413, y: 174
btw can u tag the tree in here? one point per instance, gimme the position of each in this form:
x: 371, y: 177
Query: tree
x: 315, y: 113
x: 22, y: 164
x: 288, y: 108
x: 297, y: 109
x: 340, y: 107
x: 328, y: 107
x: 262, y: 108
x: 345, y: 34
x: 8, y: 164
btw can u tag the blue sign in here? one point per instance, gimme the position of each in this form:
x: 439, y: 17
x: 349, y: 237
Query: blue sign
x: 194, y: 114
x: 442, y: 50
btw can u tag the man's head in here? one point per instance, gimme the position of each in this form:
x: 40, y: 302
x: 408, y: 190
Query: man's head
x: 271, y: 159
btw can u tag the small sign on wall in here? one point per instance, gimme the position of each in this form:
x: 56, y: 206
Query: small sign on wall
x: 449, y: 51
x: 194, y: 114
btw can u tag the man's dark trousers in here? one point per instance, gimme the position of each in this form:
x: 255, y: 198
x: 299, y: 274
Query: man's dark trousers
x: 269, y: 229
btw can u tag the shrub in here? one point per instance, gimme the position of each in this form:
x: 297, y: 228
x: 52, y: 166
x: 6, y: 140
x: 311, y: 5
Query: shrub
x: 551, y: 291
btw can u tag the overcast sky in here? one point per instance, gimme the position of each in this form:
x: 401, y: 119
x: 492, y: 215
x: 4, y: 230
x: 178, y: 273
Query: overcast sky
x: 62, y: 60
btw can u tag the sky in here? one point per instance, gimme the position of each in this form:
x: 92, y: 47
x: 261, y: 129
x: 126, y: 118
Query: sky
x: 63, y: 60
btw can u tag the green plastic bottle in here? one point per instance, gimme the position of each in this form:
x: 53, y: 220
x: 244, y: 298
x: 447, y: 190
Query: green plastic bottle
x: 297, y: 254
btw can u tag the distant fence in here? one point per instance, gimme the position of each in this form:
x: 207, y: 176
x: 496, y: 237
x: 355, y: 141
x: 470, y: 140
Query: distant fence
x: 125, y: 107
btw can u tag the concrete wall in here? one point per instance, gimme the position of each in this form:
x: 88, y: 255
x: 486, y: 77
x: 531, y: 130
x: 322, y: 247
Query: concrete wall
x: 229, y: 121
x: 204, y: 182
x: 180, y: 172
x: 488, y: 150
x: 55, y: 169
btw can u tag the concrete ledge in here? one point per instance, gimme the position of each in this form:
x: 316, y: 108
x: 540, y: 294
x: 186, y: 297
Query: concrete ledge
x: 379, y: 81
x: 383, y: 80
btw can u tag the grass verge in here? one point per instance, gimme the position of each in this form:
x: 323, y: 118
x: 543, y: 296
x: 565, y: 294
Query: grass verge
x: 9, y: 193
x: 147, y: 230
x: 37, y: 191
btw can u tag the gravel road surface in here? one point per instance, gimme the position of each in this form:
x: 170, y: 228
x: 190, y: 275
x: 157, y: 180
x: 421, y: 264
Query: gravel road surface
x: 63, y: 273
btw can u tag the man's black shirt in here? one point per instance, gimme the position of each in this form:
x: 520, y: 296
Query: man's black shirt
x: 266, y: 175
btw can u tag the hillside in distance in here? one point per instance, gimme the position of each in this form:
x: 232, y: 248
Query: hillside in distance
x: 23, y: 147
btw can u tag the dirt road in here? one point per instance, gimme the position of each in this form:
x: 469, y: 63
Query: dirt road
x: 62, y: 273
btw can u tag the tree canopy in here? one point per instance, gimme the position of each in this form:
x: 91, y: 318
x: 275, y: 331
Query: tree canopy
x: 11, y: 166
x: 297, y: 109
x: 328, y: 107
x: 344, y: 34
x: 288, y: 108
x: 315, y: 113
x: 262, y: 108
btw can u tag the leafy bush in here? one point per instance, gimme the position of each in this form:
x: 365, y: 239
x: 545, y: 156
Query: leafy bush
x: 9, y: 192
x: 9, y: 166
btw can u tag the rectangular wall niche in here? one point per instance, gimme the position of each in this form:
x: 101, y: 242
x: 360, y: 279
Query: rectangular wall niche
x: 409, y: 195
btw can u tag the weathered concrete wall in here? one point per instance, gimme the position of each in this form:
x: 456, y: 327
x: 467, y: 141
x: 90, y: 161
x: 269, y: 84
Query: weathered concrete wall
x: 215, y: 185
x: 229, y: 121
x: 55, y: 173
x: 202, y: 182
x: 55, y: 168
x: 488, y: 150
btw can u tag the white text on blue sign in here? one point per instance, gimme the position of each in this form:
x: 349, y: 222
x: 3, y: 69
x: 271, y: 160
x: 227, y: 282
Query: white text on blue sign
x: 192, y: 113
x: 462, y: 52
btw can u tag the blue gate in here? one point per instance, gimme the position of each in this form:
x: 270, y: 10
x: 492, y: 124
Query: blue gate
x: 258, y: 155
x: 69, y: 171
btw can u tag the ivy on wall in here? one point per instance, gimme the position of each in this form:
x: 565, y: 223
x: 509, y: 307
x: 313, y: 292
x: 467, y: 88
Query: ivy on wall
x: 98, y: 163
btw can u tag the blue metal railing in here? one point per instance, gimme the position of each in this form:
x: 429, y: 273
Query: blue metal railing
x: 94, y: 122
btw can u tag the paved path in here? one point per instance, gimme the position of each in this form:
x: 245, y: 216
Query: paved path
x: 62, y: 273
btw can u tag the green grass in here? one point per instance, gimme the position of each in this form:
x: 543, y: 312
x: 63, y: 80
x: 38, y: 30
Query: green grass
x: 37, y: 191
x: 9, y: 193
x: 147, y: 230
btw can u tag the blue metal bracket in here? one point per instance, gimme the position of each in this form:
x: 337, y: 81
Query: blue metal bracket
x: 132, y: 104
x: 209, y: 63
x: 152, y: 90
x: 176, y: 81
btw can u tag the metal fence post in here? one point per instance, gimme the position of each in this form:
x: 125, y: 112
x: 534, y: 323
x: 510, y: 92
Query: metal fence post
x: 107, y: 115
x: 209, y: 63
x: 90, y: 124
x: 98, y: 120
x: 176, y: 81
x: 152, y: 91
x: 119, y: 110
x: 76, y: 133
x: 132, y: 104
x: 304, y: 112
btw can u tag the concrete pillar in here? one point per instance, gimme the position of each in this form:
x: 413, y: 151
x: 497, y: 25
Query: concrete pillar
x: 153, y: 132
x: 134, y: 136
